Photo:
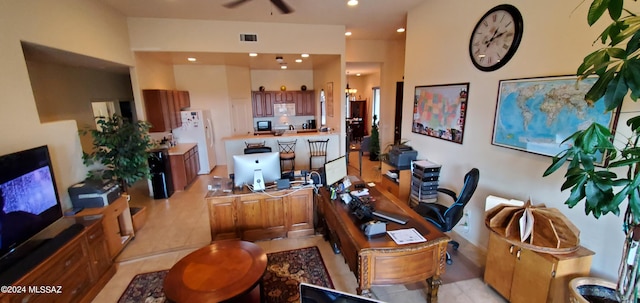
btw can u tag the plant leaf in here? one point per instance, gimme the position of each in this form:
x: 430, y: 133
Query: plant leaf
x: 596, y: 10
x: 615, y: 9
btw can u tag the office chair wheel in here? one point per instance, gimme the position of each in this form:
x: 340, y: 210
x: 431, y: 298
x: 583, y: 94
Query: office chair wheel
x: 455, y: 245
x: 449, y: 260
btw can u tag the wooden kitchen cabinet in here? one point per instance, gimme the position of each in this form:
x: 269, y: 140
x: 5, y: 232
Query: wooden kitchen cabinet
x: 305, y: 103
x: 523, y: 275
x: 254, y: 216
x: 262, y: 104
x: 184, y: 167
x: 284, y: 97
x: 163, y: 108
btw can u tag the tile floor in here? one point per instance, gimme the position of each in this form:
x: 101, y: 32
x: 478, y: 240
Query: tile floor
x: 179, y: 225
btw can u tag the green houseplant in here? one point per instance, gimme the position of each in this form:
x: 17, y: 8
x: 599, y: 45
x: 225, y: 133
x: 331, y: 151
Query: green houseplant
x: 374, y: 147
x: 121, y: 147
x: 617, y: 66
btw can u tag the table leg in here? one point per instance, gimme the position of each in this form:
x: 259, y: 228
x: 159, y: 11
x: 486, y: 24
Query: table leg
x: 434, y: 284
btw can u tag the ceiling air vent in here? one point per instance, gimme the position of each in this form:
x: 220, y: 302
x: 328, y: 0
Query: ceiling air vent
x: 249, y: 37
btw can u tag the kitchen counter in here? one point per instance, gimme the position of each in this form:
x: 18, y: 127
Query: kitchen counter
x: 181, y: 148
x: 235, y: 146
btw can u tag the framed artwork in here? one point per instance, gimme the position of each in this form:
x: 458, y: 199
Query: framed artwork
x: 536, y: 114
x: 330, y: 99
x: 440, y: 110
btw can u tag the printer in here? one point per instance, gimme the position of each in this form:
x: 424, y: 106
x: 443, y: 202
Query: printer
x: 401, y: 156
x: 94, y: 193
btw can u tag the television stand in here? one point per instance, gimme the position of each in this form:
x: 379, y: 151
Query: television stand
x: 75, y: 261
x: 116, y: 222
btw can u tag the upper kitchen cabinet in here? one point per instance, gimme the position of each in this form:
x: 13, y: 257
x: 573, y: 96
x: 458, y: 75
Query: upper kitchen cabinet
x: 263, y: 104
x: 182, y: 97
x: 284, y: 97
x: 163, y: 108
x: 305, y: 103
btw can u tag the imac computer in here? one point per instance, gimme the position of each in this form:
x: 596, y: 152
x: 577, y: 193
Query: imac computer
x: 335, y: 170
x: 310, y: 293
x: 256, y: 169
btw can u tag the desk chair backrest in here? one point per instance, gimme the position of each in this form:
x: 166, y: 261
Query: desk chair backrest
x: 455, y: 212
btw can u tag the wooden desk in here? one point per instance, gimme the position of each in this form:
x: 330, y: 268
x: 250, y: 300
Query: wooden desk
x: 379, y: 260
x: 258, y: 216
x: 224, y: 270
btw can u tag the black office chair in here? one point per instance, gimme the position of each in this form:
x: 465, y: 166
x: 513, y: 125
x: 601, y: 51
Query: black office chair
x: 445, y: 218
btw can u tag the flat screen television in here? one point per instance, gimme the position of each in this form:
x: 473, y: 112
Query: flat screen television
x: 245, y: 167
x: 29, y: 201
x: 335, y: 170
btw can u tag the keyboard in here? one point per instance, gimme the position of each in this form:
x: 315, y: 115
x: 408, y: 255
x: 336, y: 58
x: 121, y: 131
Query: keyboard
x: 391, y: 217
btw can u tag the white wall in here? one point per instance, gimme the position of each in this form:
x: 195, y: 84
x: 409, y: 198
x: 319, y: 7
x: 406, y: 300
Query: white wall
x: 555, y: 40
x: 83, y: 27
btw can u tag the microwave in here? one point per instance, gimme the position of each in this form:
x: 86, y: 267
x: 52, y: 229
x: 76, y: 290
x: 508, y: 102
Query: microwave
x: 264, y: 125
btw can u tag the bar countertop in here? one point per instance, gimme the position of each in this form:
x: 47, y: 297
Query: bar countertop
x: 270, y: 135
x: 181, y: 148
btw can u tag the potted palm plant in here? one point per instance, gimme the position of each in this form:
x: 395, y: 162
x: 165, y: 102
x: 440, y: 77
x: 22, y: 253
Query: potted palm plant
x: 120, y: 146
x: 617, y: 66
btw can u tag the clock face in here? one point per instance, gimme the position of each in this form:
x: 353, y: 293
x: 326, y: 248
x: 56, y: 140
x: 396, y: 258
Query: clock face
x: 496, y: 37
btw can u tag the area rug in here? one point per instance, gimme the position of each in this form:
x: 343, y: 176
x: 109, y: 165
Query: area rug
x: 285, y: 270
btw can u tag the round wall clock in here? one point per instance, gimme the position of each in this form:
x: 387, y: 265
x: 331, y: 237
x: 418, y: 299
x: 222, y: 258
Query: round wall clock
x: 496, y: 37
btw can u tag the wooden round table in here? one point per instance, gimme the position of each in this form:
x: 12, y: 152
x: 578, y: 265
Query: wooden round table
x: 225, y: 270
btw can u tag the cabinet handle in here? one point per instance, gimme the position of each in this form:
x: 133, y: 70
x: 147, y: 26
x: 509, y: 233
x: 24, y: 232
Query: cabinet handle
x: 518, y: 254
x: 511, y: 250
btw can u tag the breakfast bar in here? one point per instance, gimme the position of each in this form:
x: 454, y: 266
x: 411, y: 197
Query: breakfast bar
x: 235, y: 145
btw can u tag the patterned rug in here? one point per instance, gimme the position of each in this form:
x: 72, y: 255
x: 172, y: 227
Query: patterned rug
x: 285, y: 270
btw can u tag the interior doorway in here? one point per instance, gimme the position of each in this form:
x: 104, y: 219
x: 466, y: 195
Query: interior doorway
x: 397, y: 128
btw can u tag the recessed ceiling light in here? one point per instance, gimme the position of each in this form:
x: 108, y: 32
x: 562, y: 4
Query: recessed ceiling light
x: 347, y: 34
x: 191, y: 59
x: 253, y: 54
x: 352, y: 2
x: 304, y: 55
x: 358, y: 74
x: 298, y: 60
x: 400, y: 30
x: 283, y: 67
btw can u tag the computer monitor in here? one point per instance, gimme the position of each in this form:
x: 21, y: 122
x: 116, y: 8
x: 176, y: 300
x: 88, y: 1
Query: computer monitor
x: 335, y: 170
x: 310, y: 293
x: 256, y: 169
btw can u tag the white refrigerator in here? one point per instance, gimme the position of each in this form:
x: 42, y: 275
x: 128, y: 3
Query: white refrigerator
x: 197, y: 127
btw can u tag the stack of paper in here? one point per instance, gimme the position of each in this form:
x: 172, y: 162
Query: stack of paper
x: 406, y: 236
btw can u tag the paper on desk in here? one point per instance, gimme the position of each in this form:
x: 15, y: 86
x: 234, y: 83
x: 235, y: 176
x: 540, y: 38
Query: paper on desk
x: 406, y: 236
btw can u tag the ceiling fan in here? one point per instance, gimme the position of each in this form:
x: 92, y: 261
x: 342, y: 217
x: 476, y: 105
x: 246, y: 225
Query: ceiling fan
x: 283, y: 7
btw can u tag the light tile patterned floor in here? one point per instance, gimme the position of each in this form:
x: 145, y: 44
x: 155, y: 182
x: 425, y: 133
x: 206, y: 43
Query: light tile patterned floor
x: 179, y: 225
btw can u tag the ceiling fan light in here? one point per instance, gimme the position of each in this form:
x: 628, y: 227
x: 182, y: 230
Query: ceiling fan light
x: 279, y: 59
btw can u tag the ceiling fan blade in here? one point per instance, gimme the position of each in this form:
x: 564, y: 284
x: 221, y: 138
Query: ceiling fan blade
x: 283, y: 7
x: 235, y: 3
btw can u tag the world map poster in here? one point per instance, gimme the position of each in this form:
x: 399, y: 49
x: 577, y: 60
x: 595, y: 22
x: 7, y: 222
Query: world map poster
x: 536, y: 115
x: 440, y: 110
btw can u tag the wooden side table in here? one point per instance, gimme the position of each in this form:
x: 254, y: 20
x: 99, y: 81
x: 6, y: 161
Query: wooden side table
x: 225, y: 270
